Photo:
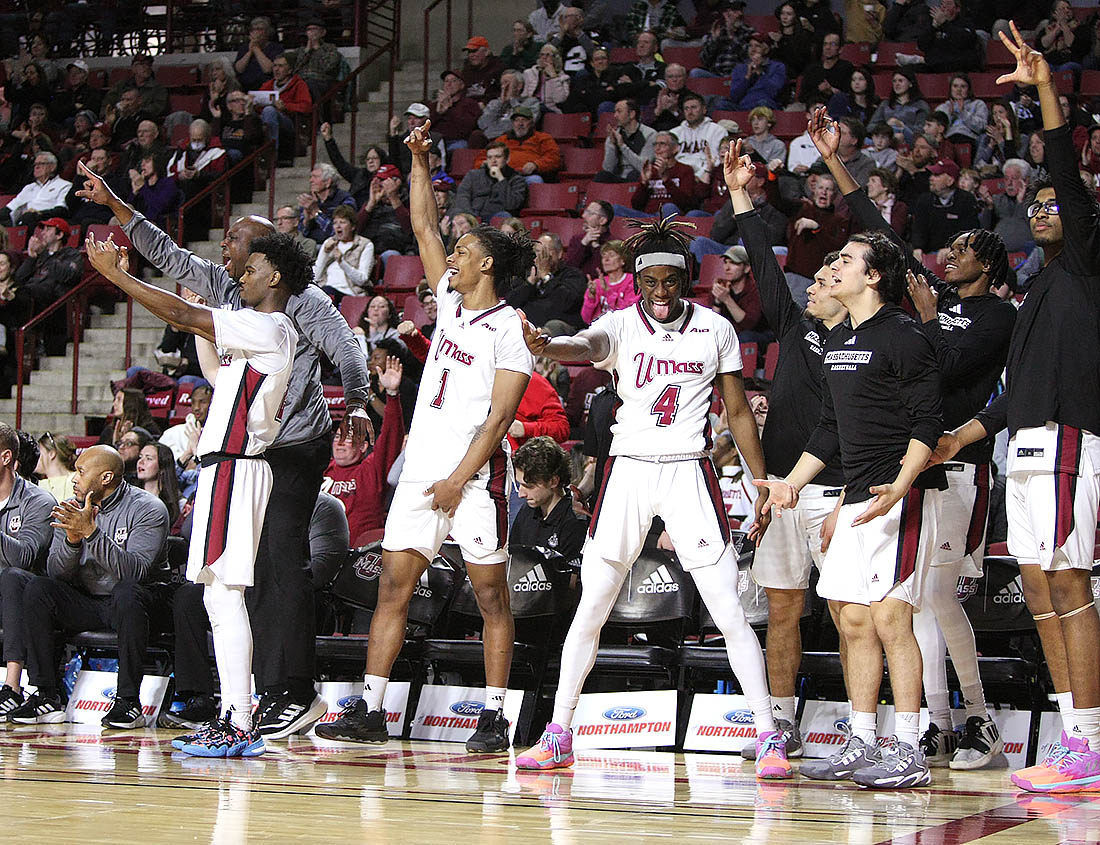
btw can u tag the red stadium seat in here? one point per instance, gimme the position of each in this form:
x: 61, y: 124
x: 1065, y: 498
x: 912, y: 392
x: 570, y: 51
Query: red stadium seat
x: 178, y: 76
x: 934, y: 86
x: 998, y: 56
x: 402, y: 271
x: 334, y: 399
x: 413, y: 310
x: 613, y: 193
x: 762, y: 23
x: 995, y: 186
x: 549, y: 199
x: 580, y: 162
x: 623, y: 55
x: 17, y: 238
x: 181, y: 134
x: 710, y: 87
x: 102, y: 231
x: 858, y: 53
x: 1090, y: 82
x: 887, y: 55
x: 352, y: 307
x: 460, y: 162
x: 884, y: 84
x: 703, y: 225
x: 161, y: 402
x: 564, y: 227
x: 686, y: 56
x: 984, y: 86
x: 621, y: 227
x: 603, y: 125
x: 749, y: 353
x: 565, y: 127
x: 710, y: 268
x: 789, y: 124
x: 932, y: 262
x: 963, y: 156
x: 771, y: 360
x: 190, y: 103
x: 119, y: 74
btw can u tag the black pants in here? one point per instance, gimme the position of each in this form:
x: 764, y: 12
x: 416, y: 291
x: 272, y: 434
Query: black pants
x: 49, y: 604
x: 192, y: 664
x: 13, y: 582
x: 280, y: 604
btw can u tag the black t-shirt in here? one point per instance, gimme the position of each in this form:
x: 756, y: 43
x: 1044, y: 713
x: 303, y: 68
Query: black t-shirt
x: 562, y: 531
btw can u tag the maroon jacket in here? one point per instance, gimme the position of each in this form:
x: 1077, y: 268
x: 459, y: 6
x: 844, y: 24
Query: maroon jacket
x: 677, y: 187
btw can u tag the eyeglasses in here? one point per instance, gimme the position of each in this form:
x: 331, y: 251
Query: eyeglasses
x: 287, y: 217
x: 125, y: 442
x: 1050, y: 207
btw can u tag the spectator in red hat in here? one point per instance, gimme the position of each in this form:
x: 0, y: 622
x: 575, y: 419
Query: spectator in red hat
x: 454, y: 114
x: 481, y: 70
x: 43, y: 197
x: 384, y: 217
x: 51, y: 268
x: 943, y: 212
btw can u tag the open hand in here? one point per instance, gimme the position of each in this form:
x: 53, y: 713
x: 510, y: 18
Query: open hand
x: 923, y: 296
x: 77, y: 521
x: 781, y: 495
x: 535, y: 338
x: 390, y: 377
x: 885, y: 497
x: 737, y: 169
x: 824, y: 132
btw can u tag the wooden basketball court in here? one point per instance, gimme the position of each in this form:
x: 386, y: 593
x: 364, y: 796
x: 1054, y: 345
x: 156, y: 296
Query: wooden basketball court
x: 72, y: 783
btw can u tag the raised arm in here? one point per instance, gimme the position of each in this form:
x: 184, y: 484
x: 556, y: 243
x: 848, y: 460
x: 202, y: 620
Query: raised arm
x: 422, y: 208
x: 591, y: 344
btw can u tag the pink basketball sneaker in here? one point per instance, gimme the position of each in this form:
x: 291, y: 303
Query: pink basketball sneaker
x: 554, y: 750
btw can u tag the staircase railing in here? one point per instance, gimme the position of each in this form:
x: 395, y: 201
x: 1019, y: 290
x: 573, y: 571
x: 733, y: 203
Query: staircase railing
x: 448, y: 33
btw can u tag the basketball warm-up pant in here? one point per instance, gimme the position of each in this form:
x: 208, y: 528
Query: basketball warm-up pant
x: 280, y: 603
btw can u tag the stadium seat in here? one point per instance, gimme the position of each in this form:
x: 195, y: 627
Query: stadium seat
x: 413, y: 310
x: 334, y: 400
x: 932, y: 262
x: 936, y: 87
x: 461, y: 162
x: 178, y: 76
x: 711, y: 267
x: 703, y: 225
x: 762, y: 23
x: 858, y: 53
x: 567, y: 127
x: 623, y: 55
x: 402, y: 271
x: 352, y: 307
x: 17, y: 238
x: 190, y: 103
x: 119, y: 74
x: 686, y: 56
x: 564, y: 227
x: 997, y: 55
x: 789, y: 124
x: 603, y: 126
x: 581, y: 162
x: 984, y: 86
x: 1090, y: 82
x: 550, y: 199
x: 710, y: 87
x: 613, y: 193
x: 102, y: 231
x: 771, y: 360
x: 161, y: 402
x: 884, y: 84
x: 963, y: 156
x: 887, y: 55
x: 749, y: 353
x: 621, y: 227
x: 181, y: 134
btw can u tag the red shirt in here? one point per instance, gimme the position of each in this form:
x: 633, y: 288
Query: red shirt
x: 297, y: 98
x: 541, y: 412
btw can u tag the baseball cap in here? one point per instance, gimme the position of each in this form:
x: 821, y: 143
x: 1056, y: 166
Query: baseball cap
x: 102, y: 127
x: 387, y: 171
x: 945, y: 165
x: 522, y: 111
x: 78, y: 63
x: 59, y: 224
x: 733, y: 4
x: 317, y: 22
x: 417, y: 110
x: 443, y: 182
x: 447, y: 73
x: 476, y: 42
x: 737, y: 254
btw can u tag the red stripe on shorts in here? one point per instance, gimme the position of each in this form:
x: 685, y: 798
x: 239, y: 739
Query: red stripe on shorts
x: 710, y: 478
x: 1066, y: 461
x: 978, y: 516
x: 498, y: 482
x: 217, y: 526
x: 909, y: 534
x: 236, y: 435
x: 599, y: 497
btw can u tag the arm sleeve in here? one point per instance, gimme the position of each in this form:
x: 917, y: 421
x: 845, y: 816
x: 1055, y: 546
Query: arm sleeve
x: 994, y: 416
x: 148, y: 532
x: 610, y: 155
x: 776, y: 302
x: 983, y: 342
x: 389, y: 443
x: 1079, y: 210
x: 418, y: 345
x: 64, y: 558
x: 339, y: 162
x: 919, y: 382
x: 211, y: 281
x: 824, y: 443
x: 23, y: 549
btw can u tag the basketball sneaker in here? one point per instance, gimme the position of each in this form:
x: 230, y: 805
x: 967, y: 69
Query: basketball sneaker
x: 124, y: 714
x: 553, y: 751
x: 491, y: 733
x: 9, y: 700
x: 1075, y: 769
x: 197, y: 711
x: 355, y: 724
x: 288, y: 717
x: 1054, y: 752
x: 900, y: 766
x: 225, y: 740
x: 38, y: 710
x: 794, y: 741
x: 771, y: 756
x: 855, y: 755
x: 938, y: 746
x: 196, y: 735
x: 980, y: 743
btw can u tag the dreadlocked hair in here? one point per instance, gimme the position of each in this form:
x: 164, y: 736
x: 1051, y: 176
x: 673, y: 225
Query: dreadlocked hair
x: 662, y: 235
x: 990, y: 250
x: 513, y: 255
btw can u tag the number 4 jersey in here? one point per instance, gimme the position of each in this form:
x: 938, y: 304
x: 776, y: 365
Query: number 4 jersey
x: 456, y: 390
x: 664, y: 376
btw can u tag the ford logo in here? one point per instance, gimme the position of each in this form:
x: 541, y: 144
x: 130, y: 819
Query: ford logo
x: 348, y: 700
x: 739, y: 717
x: 467, y: 708
x: 109, y: 692
x: 624, y: 714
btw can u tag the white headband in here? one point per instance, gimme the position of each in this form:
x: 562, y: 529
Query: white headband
x: 655, y: 259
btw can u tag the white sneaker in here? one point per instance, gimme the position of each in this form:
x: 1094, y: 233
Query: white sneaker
x: 980, y: 743
x: 938, y: 746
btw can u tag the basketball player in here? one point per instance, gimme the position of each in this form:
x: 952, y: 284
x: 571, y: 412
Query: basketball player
x: 882, y: 412
x: 250, y: 373
x: 456, y: 473
x: 281, y: 601
x: 969, y: 328
x: 667, y: 356
x: 793, y: 544
x: 1051, y: 408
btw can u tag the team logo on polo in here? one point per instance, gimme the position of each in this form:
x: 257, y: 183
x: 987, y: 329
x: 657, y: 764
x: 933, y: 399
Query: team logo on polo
x: 467, y: 708
x: 121, y: 533
x: 368, y: 566
x: 534, y: 581
x: 15, y: 522
x: 624, y: 714
x: 659, y: 581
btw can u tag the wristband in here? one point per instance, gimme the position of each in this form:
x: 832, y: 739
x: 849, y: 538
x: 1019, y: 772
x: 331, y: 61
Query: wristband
x: 359, y: 413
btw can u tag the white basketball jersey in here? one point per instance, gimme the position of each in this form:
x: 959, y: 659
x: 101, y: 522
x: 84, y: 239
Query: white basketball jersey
x: 257, y: 353
x: 456, y: 389
x: 664, y: 378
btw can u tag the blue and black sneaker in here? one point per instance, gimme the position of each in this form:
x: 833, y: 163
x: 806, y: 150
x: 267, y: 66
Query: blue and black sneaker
x: 225, y: 740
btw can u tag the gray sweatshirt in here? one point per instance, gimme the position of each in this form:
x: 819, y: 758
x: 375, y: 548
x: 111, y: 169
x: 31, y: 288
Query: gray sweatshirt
x: 131, y: 529
x: 321, y: 328
x: 25, y: 531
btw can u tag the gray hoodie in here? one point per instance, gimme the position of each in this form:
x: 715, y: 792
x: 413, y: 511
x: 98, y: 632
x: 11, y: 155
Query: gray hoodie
x: 321, y: 328
x: 25, y: 531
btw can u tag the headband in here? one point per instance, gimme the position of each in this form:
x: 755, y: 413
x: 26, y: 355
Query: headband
x: 655, y: 259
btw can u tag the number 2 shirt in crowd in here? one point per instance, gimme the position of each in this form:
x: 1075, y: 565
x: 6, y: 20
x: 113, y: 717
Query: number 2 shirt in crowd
x: 664, y: 375
x: 456, y: 389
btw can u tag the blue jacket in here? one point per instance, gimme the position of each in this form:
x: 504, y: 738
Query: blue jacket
x: 760, y: 90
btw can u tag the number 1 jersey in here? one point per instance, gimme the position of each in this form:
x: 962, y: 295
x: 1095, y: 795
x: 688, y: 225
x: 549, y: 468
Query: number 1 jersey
x: 456, y: 389
x: 664, y: 375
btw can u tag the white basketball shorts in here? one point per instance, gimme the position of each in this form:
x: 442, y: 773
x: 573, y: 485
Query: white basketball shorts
x: 792, y: 543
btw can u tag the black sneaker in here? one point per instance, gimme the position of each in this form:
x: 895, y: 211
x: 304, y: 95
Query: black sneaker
x: 198, y: 710
x: 268, y: 702
x: 38, y: 710
x: 9, y: 700
x: 355, y: 724
x: 491, y: 733
x: 291, y: 718
x: 124, y: 714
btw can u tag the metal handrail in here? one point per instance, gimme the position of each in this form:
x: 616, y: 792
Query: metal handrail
x: 75, y: 302
x: 223, y: 182
x: 448, y: 34
x: 387, y: 49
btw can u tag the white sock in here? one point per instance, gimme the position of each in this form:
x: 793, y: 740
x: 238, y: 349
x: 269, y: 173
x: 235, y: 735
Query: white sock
x: 974, y: 701
x: 939, y: 709
x: 865, y: 725
x: 762, y: 716
x: 232, y: 636
x: 374, y: 690
x: 907, y: 728
x: 851, y: 710
x: 784, y: 706
x: 563, y: 714
x: 494, y: 698
x: 1064, y: 701
x: 1086, y: 725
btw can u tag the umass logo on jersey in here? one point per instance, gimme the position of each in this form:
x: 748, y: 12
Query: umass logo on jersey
x: 449, y: 349
x: 650, y: 367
